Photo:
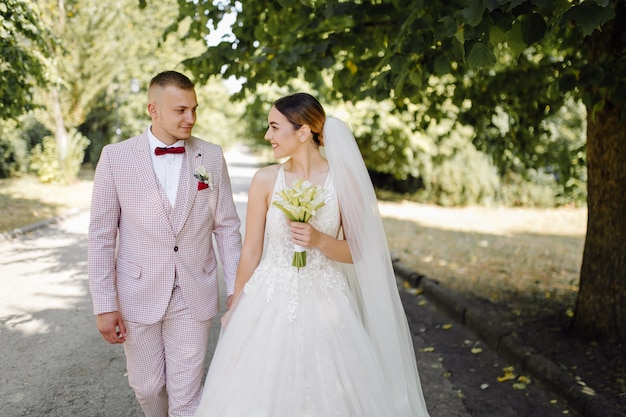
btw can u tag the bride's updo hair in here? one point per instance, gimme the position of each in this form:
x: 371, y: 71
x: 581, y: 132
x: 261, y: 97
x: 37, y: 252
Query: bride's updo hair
x: 303, y: 109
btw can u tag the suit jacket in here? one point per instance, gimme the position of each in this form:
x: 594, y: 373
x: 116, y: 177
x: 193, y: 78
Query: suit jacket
x: 139, y: 243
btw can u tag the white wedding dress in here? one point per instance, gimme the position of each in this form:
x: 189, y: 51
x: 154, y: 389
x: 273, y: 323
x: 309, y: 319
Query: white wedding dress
x: 294, y: 345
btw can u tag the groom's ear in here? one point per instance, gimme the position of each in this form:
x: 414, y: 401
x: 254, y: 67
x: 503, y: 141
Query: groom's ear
x: 152, y: 109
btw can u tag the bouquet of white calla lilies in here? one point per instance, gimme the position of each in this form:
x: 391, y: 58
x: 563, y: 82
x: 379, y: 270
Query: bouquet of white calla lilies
x: 300, y: 203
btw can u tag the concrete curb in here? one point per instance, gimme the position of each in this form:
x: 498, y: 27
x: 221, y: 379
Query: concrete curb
x: 502, y: 338
x: 15, y: 233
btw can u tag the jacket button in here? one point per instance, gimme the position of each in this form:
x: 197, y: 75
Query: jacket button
x: 175, y: 248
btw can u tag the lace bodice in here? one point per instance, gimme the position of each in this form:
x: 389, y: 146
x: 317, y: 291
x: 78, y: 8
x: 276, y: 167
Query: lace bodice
x: 275, y: 269
x: 279, y: 245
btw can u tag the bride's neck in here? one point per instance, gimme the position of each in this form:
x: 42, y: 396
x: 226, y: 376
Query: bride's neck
x: 308, y: 167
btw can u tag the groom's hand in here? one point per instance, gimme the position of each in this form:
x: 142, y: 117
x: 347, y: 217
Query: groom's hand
x: 111, y: 327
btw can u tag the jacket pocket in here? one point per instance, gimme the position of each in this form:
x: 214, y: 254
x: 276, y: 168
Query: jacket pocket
x: 127, y: 269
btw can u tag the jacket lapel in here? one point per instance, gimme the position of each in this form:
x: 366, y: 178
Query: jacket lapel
x: 145, y: 172
x: 187, y: 185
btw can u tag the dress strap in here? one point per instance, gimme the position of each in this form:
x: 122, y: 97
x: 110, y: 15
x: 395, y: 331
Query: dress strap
x: 279, y: 184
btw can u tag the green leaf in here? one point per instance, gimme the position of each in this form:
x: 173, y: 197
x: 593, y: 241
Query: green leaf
x: 514, y: 39
x: 415, y: 77
x: 460, y: 36
x: 473, y: 13
x: 512, y: 4
x: 568, y: 82
x: 480, y: 55
x: 458, y: 51
x: 589, y: 16
x: 449, y: 26
x: 441, y: 65
x: 491, y: 5
x: 496, y: 36
x: 553, y: 92
x: 399, y: 86
x: 533, y: 28
x: 502, y: 20
x: 287, y: 3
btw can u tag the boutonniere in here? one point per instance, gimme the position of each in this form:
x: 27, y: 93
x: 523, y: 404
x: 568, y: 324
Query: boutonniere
x: 204, y: 178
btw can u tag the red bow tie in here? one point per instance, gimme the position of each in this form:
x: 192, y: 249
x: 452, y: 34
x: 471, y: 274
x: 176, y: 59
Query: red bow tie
x: 163, y: 151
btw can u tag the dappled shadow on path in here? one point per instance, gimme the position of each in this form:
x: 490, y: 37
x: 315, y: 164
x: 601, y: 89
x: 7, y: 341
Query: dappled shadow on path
x: 525, y: 283
x: 54, y: 361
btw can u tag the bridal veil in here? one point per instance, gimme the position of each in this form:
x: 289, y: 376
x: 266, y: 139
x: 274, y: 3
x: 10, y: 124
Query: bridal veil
x: 374, y: 283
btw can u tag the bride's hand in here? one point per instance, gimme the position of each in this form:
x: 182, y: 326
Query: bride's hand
x: 305, y: 235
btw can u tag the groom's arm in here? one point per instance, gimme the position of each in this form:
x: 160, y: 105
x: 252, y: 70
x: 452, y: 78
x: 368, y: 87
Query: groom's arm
x: 102, y: 238
x: 227, y: 227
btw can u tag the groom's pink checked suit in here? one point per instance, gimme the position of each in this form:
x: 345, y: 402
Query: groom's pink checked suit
x: 155, y: 263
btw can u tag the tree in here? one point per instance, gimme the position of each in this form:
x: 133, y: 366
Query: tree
x: 24, y: 45
x: 97, y: 58
x: 521, y: 59
x: 84, y: 65
x: 105, y: 53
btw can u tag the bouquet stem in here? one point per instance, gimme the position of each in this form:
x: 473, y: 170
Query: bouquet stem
x: 299, y: 256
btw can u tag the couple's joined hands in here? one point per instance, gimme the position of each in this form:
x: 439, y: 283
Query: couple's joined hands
x: 112, y: 328
x: 111, y: 325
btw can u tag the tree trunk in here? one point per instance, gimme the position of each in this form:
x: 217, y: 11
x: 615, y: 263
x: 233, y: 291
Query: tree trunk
x: 601, y: 305
x: 60, y: 132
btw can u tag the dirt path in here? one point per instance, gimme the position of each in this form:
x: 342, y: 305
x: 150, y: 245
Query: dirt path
x: 54, y: 361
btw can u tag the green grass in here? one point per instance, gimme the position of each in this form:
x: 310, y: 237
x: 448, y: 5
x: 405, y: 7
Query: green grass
x: 516, y: 257
x: 24, y: 200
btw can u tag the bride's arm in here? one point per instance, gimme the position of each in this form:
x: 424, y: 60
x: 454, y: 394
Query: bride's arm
x: 259, y: 196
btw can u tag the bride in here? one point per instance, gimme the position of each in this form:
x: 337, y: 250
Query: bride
x: 329, y: 338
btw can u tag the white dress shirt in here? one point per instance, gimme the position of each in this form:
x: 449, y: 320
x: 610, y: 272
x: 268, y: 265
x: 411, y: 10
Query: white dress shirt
x: 166, y: 167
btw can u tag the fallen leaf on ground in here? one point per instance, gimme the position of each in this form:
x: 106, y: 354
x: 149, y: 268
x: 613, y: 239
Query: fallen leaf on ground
x: 508, y: 374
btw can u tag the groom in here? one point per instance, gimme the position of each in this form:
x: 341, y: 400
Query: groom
x: 158, y: 201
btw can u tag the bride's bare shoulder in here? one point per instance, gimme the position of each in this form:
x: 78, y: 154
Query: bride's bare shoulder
x: 266, y: 176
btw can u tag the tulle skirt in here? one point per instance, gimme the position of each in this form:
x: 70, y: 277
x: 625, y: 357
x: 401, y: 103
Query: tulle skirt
x: 294, y: 347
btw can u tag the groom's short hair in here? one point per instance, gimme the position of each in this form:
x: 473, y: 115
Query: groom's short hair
x: 174, y: 78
